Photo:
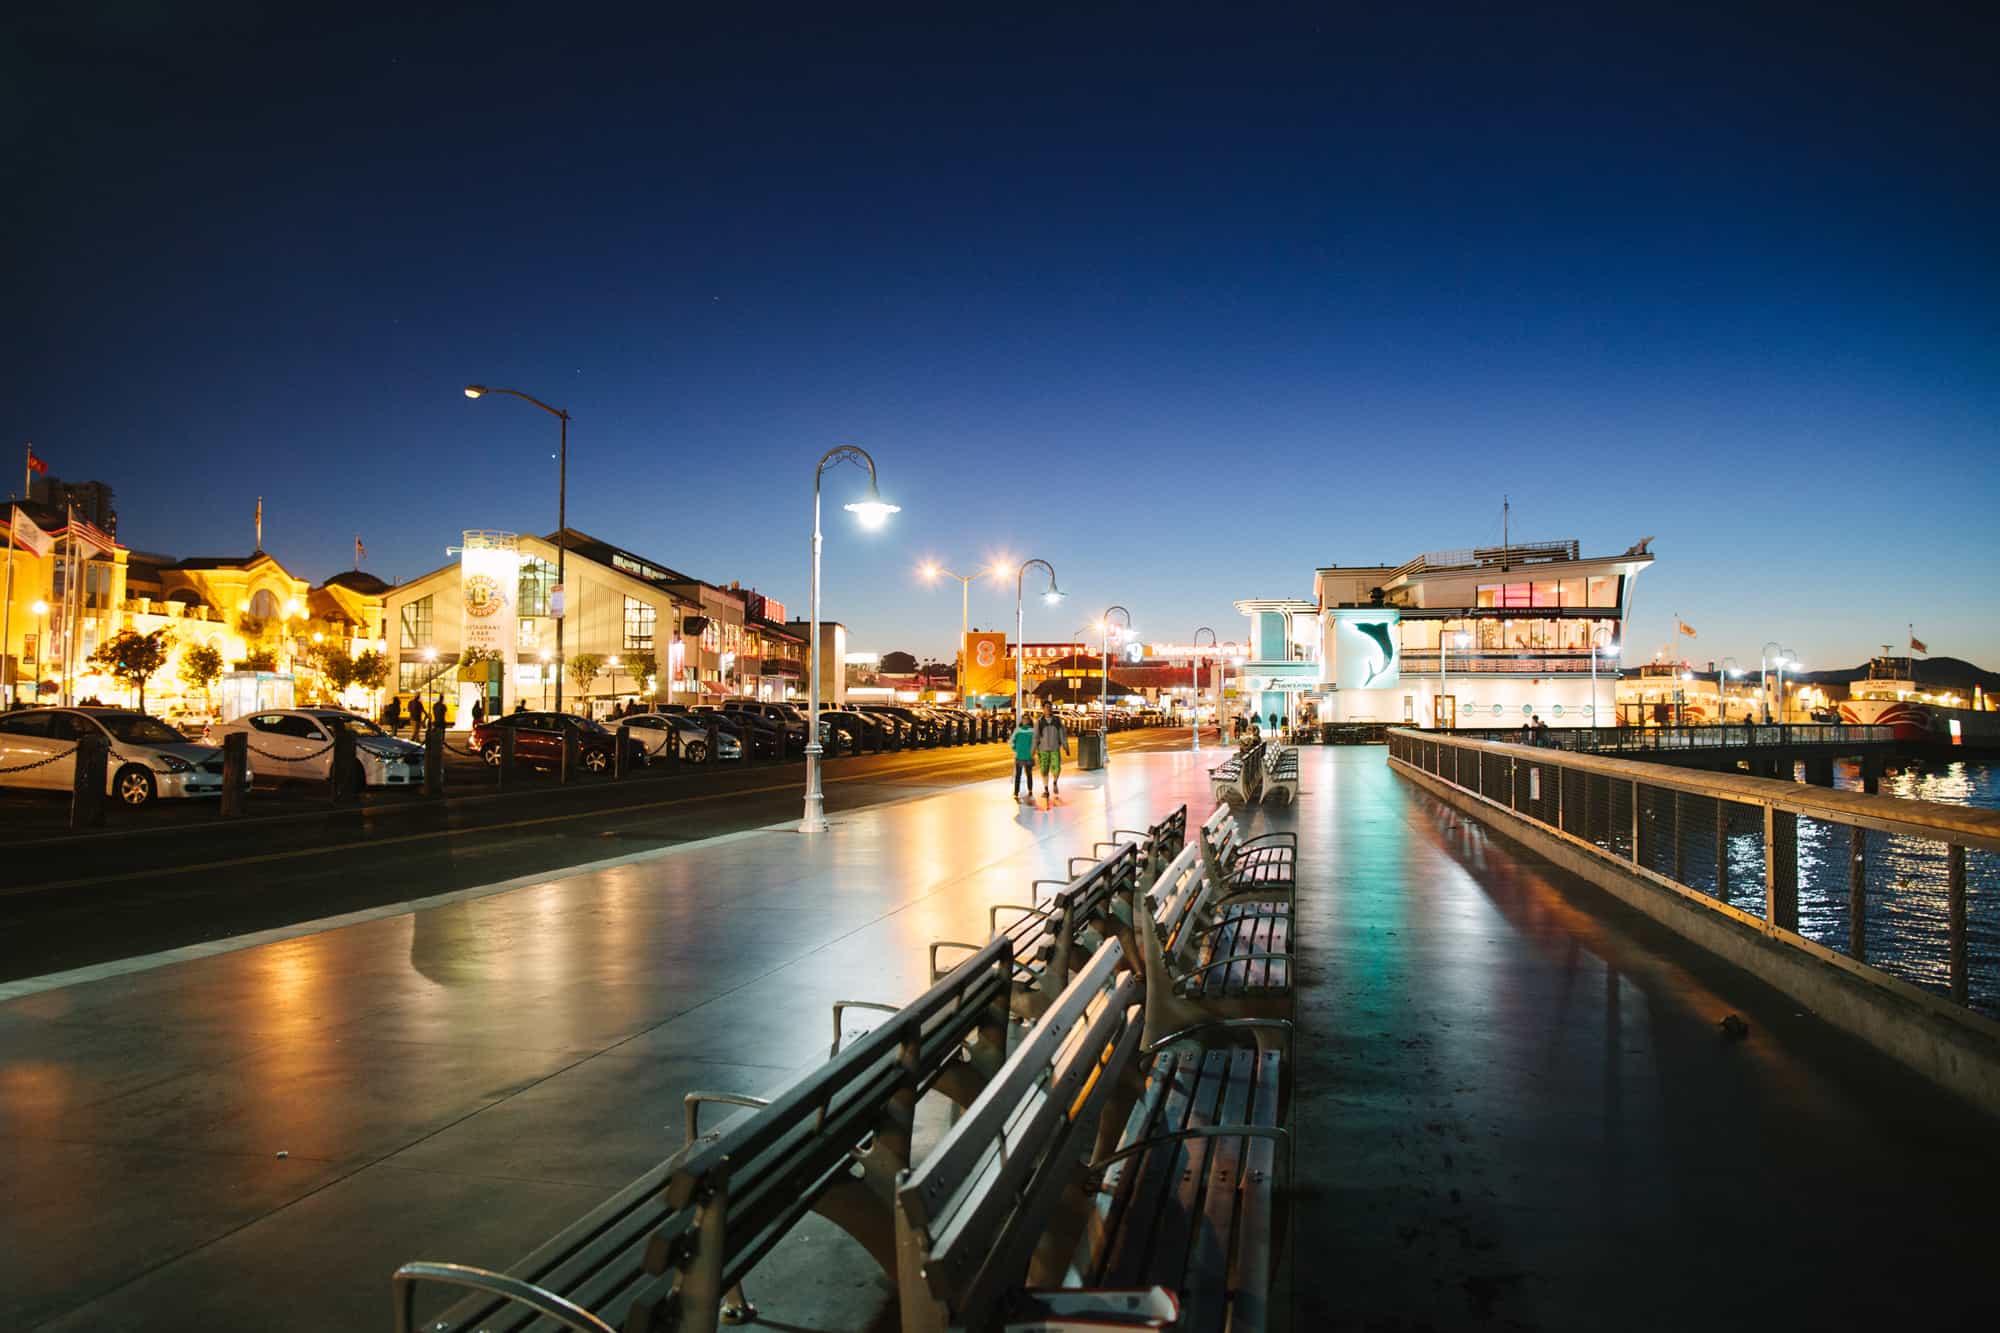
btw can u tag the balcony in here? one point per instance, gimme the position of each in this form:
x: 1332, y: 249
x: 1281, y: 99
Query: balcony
x: 1508, y: 662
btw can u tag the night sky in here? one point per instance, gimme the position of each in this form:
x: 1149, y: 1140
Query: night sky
x: 1187, y: 300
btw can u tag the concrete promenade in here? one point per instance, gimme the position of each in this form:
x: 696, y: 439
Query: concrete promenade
x: 1512, y: 1105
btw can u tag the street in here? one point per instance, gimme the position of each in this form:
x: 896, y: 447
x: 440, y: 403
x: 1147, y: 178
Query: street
x: 71, y: 902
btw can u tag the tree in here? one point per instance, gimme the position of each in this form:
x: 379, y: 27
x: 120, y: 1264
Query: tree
x: 899, y: 663
x: 132, y: 657
x: 262, y: 659
x: 334, y: 666
x: 638, y: 666
x: 201, y: 663
x: 584, y: 668
x: 370, y: 670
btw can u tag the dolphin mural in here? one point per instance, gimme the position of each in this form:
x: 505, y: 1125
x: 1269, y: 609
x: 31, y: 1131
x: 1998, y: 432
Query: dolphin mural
x: 1378, y: 630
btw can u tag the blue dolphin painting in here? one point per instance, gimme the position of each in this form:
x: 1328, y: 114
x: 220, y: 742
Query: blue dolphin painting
x: 1377, y: 630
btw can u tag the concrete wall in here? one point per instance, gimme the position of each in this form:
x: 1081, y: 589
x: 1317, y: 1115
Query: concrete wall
x: 1952, y: 1046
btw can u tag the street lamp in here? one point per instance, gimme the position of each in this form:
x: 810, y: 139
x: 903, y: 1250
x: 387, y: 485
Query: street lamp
x: 872, y: 511
x: 41, y: 609
x: 1052, y: 596
x: 1104, y: 694
x: 562, y: 507
x: 1598, y: 650
x: 545, y: 678
x: 613, y: 663
x: 1765, y: 662
x: 431, y: 657
x: 1460, y: 640
x: 1726, y: 670
x: 931, y: 573
x: 1194, y: 679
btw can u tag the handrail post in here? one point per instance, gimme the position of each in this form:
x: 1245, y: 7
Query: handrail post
x: 1781, y: 869
x: 1955, y: 873
x: 1721, y: 849
x: 1634, y: 848
x: 1857, y: 894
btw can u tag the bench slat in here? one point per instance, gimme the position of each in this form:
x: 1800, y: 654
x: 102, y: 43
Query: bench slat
x: 1170, y: 1264
x: 1152, y: 1174
x: 1204, y: 1304
x: 1250, y: 1273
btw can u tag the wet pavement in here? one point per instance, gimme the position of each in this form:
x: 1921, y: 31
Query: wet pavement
x: 1513, y: 1105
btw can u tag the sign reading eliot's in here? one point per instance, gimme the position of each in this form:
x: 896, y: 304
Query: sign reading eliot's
x: 489, y: 570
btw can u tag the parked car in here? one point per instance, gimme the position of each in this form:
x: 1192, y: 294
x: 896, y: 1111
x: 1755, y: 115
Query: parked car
x: 680, y: 737
x: 861, y: 731
x: 915, y: 730
x: 297, y: 743
x: 783, y: 716
x: 148, y: 759
x: 762, y: 740
x: 538, y: 740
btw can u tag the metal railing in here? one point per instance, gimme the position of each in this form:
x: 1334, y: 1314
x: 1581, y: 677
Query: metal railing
x: 1909, y: 888
x: 1612, y: 740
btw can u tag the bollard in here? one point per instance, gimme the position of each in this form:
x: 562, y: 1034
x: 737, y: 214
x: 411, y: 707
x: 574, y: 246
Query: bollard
x: 343, y: 776
x: 235, y: 772
x: 86, y: 800
x: 620, y: 760
x: 506, y: 764
x: 715, y: 743
x: 434, y: 762
x: 572, y: 759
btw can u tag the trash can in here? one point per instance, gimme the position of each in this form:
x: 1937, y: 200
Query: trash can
x: 1089, y: 750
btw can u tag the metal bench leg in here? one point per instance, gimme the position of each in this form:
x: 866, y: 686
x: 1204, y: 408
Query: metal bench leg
x: 736, y: 1307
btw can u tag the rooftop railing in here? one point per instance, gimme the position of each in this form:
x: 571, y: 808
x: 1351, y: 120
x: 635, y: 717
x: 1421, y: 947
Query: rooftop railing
x: 1613, y: 740
x: 1907, y: 890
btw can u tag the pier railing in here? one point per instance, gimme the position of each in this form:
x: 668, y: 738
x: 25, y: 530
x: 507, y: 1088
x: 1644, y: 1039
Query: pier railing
x: 1909, y: 888
x: 1736, y: 736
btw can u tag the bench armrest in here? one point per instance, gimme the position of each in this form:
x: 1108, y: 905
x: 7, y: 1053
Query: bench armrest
x: 841, y: 1007
x: 1194, y: 972
x: 993, y: 914
x: 948, y: 944
x: 542, y: 1302
x: 1282, y: 838
x: 694, y: 1100
x: 1283, y: 1025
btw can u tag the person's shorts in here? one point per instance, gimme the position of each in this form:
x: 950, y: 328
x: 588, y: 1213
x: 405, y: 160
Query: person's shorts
x: 1050, y: 760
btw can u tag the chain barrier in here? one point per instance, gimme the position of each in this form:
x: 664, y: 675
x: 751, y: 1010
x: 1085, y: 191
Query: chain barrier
x: 468, y: 753
x: 41, y: 763
x: 290, y: 759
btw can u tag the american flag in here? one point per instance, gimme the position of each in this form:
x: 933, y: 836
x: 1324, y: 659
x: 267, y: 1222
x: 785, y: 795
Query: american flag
x: 360, y: 551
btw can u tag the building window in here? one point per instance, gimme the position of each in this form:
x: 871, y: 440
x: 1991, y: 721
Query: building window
x: 417, y: 623
x: 415, y: 677
x: 640, y: 618
x: 529, y: 635
x: 264, y: 604
x: 1604, y: 592
x: 538, y: 576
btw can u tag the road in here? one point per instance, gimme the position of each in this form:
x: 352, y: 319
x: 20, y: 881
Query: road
x: 74, y: 901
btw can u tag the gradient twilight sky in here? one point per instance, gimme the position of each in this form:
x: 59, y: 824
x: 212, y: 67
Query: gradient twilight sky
x: 1185, y: 299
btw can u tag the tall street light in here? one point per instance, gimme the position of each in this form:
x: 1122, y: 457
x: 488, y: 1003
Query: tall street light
x: 1726, y: 670
x: 562, y: 509
x: 931, y: 573
x: 41, y: 610
x: 872, y: 511
x: 1460, y: 640
x: 1052, y: 596
x: 1194, y: 680
x: 1764, y: 675
x: 1598, y: 650
x: 1104, y: 694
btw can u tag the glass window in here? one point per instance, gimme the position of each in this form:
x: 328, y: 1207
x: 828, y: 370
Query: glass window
x: 640, y: 619
x: 1489, y: 594
x: 413, y: 677
x: 1572, y: 593
x: 1543, y: 593
x: 528, y: 634
x: 37, y: 722
x: 264, y: 604
x: 538, y: 576
x: 1604, y: 592
x: 416, y: 617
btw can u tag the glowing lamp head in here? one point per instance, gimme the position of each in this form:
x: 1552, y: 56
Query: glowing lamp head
x: 1052, y: 596
x: 430, y: 654
x: 547, y: 656
x: 872, y: 509
x: 474, y: 390
x: 40, y: 608
x: 929, y: 571
x: 1608, y: 650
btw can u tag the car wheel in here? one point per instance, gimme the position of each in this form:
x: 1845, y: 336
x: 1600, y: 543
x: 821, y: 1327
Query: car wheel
x: 491, y: 753
x: 134, y: 786
x: 695, y: 752
x: 596, y: 761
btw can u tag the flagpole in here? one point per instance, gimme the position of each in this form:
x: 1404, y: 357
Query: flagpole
x: 7, y: 621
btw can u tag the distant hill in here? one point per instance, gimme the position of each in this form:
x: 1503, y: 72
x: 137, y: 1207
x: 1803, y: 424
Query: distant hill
x: 1952, y: 672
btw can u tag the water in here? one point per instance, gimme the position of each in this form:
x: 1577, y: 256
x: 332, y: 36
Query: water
x: 1907, y: 921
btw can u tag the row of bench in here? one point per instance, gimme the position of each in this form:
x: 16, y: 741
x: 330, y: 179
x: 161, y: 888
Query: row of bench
x: 1259, y: 771
x: 1118, y: 1050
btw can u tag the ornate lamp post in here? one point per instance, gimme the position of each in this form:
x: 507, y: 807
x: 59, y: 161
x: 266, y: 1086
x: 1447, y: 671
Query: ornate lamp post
x: 1052, y: 596
x: 1104, y: 694
x: 873, y: 511
x: 1598, y: 650
x: 1194, y: 679
x: 562, y: 508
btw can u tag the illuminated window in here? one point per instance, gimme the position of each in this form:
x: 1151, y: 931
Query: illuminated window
x: 640, y: 618
x: 1604, y: 592
x: 530, y: 635
x: 538, y: 576
x: 264, y: 604
x: 416, y: 619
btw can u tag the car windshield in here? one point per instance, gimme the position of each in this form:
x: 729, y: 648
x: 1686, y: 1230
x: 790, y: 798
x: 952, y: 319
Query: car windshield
x: 360, y: 726
x: 138, y: 729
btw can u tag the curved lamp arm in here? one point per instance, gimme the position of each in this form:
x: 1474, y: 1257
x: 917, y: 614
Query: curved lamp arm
x: 1021, y: 578
x: 480, y: 391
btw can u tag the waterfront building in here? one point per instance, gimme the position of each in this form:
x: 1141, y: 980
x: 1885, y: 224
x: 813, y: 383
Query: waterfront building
x: 1485, y: 637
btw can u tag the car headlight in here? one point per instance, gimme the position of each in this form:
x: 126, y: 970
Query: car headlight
x: 173, y: 763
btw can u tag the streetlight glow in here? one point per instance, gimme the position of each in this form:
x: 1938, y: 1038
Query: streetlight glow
x: 40, y: 608
x: 474, y: 390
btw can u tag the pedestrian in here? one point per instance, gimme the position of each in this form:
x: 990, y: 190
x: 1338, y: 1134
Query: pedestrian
x: 1541, y: 731
x: 478, y: 711
x: 392, y: 716
x: 417, y: 717
x: 1023, y: 741
x: 1049, y: 742
x: 520, y: 705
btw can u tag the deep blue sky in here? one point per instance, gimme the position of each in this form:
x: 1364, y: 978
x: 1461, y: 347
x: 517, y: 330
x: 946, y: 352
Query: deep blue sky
x: 1187, y: 300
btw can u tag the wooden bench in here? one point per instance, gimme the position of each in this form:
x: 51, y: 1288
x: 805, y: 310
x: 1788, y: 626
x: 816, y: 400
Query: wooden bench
x: 1213, y: 954
x: 1101, y: 1182
x: 1238, y: 864
x: 1240, y: 777
x: 670, y: 1250
x: 1159, y: 843
x: 1281, y: 773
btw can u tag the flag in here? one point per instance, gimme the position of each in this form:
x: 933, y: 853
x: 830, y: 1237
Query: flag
x: 35, y: 464
x: 29, y: 535
x: 360, y: 551
x: 89, y: 534
x: 1917, y: 645
x: 1685, y: 628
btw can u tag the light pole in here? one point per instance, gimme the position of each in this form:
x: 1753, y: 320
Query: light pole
x: 545, y: 680
x: 872, y: 511
x: 1764, y: 673
x: 430, y: 658
x: 1104, y: 693
x: 562, y: 509
x: 1446, y: 642
x: 1599, y: 650
x: 1194, y: 679
x: 41, y: 610
x: 1052, y: 596
x: 931, y: 572
x: 1726, y: 670
x: 613, y: 664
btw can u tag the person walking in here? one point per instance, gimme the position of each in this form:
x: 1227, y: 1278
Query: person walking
x: 417, y: 716
x: 392, y: 716
x: 1049, y: 742
x: 1023, y: 741
x: 478, y: 710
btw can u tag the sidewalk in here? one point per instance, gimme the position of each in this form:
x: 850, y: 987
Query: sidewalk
x: 462, y: 1081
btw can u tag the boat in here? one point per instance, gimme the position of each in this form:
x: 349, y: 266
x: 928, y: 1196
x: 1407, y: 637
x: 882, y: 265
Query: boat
x: 1931, y: 714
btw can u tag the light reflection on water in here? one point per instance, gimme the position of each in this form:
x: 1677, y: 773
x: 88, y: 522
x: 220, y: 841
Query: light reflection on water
x: 1906, y: 882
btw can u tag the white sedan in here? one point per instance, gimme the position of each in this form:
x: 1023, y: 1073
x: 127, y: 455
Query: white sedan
x: 148, y: 759
x: 676, y: 735
x: 297, y: 744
